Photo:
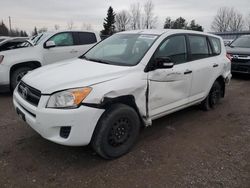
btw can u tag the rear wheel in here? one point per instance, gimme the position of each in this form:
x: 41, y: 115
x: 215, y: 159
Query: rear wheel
x: 213, y: 97
x: 17, y: 75
x: 116, y: 131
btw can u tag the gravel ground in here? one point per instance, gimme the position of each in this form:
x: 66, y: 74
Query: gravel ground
x: 190, y: 148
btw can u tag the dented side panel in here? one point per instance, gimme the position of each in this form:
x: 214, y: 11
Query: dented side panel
x: 134, y: 83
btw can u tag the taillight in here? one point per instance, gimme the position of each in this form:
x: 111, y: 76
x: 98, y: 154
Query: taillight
x: 229, y: 56
x: 1, y: 58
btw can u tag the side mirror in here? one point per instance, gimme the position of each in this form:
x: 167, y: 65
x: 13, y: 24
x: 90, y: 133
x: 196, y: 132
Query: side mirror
x: 50, y: 44
x: 163, y: 63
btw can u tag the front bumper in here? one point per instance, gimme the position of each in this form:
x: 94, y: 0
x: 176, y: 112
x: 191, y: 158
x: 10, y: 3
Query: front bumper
x: 48, y: 122
x: 243, y: 68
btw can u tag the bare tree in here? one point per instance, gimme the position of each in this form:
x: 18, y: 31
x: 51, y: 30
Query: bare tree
x: 135, y: 13
x: 122, y: 20
x: 149, y: 18
x: 248, y: 22
x: 70, y: 25
x: 227, y: 19
x: 57, y: 27
x: 43, y: 29
x: 87, y: 26
x: 237, y: 22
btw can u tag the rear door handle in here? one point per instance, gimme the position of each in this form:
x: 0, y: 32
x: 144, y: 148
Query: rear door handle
x: 188, y: 72
x: 215, y: 65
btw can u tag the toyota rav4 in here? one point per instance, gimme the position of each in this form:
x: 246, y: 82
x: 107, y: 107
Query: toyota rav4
x: 121, y: 84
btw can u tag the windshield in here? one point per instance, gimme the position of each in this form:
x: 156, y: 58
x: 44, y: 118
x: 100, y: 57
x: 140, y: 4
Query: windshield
x: 121, y: 49
x: 242, y: 42
x: 37, y: 39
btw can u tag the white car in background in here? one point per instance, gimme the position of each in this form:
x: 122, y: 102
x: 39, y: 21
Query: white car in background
x: 12, y: 43
x: 121, y: 84
x: 46, y: 48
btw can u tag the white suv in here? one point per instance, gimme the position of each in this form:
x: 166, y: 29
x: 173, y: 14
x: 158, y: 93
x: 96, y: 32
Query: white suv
x: 121, y: 84
x: 47, y: 48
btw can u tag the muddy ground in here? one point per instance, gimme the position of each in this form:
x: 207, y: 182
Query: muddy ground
x: 190, y: 148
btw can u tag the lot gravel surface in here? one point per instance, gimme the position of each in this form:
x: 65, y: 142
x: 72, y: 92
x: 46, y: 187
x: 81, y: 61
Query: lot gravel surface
x: 190, y: 148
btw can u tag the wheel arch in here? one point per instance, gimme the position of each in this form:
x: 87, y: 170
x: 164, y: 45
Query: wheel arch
x: 125, y: 99
x: 32, y: 64
x: 221, y: 80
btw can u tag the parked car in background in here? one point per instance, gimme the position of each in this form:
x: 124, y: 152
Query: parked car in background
x: 121, y: 84
x: 239, y: 51
x: 227, y: 41
x: 47, y: 48
x: 12, y: 43
x: 3, y: 38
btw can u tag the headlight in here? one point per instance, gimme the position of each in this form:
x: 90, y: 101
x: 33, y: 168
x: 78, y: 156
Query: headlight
x: 71, y: 98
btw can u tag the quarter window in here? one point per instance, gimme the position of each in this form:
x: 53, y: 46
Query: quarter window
x: 216, y: 44
x: 87, y: 38
x: 198, y: 47
x: 63, y: 39
x: 174, y: 48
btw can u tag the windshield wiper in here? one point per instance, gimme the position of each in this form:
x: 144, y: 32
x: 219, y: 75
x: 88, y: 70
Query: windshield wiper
x: 96, y: 60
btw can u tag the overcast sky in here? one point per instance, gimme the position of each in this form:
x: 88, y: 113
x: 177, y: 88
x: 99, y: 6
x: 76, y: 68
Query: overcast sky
x: 26, y: 14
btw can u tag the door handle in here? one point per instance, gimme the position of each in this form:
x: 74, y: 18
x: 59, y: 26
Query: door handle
x: 215, y: 65
x: 73, y: 51
x: 188, y: 72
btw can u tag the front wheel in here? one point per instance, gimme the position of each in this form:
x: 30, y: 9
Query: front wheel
x: 116, y: 131
x: 17, y: 75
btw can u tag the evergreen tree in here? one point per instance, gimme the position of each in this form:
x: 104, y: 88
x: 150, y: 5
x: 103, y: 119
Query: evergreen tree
x: 109, y: 23
x: 194, y: 26
x: 168, y: 23
x: 4, y: 31
x: 179, y: 23
x: 35, y: 32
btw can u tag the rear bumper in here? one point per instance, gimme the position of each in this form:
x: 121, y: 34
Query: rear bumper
x: 243, y: 68
x: 4, y: 75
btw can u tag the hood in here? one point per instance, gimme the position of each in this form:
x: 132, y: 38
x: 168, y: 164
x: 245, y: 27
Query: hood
x: 72, y: 74
x: 238, y: 51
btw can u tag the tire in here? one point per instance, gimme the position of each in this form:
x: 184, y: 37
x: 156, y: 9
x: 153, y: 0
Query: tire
x: 116, y: 131
x: 213, y: 97
x: 17, y: 75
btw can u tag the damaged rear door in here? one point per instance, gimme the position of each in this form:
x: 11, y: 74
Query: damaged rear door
x: 169, y: 88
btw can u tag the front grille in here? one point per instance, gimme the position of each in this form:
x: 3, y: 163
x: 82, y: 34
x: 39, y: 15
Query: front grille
x: 29, y: 94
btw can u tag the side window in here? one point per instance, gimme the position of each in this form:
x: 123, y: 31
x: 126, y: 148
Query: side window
x: 174, y: 48
x: 216, y: 45
x: 87, y: 38
x: 63, y: 39
x: 198, y: 47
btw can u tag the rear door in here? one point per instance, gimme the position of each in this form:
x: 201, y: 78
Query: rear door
x: 85, y: 40
x: 64, y: 49
x: 202, y: 64
x: 169, y: 88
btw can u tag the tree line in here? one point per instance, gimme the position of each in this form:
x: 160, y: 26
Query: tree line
x: 141, y: 17
x: 5, y: 31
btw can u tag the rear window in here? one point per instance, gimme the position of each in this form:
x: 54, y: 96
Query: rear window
x: 216, y: 45
x: 199, y: 47
x: 87, y: 38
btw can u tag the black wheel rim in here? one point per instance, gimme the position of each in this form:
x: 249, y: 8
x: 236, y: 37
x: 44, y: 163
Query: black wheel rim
x: 120, y: 132
x: 215, y: 96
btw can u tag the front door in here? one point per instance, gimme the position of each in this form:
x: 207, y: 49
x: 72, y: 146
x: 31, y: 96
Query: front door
x: 170, y: 88
x: 64, y: 49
